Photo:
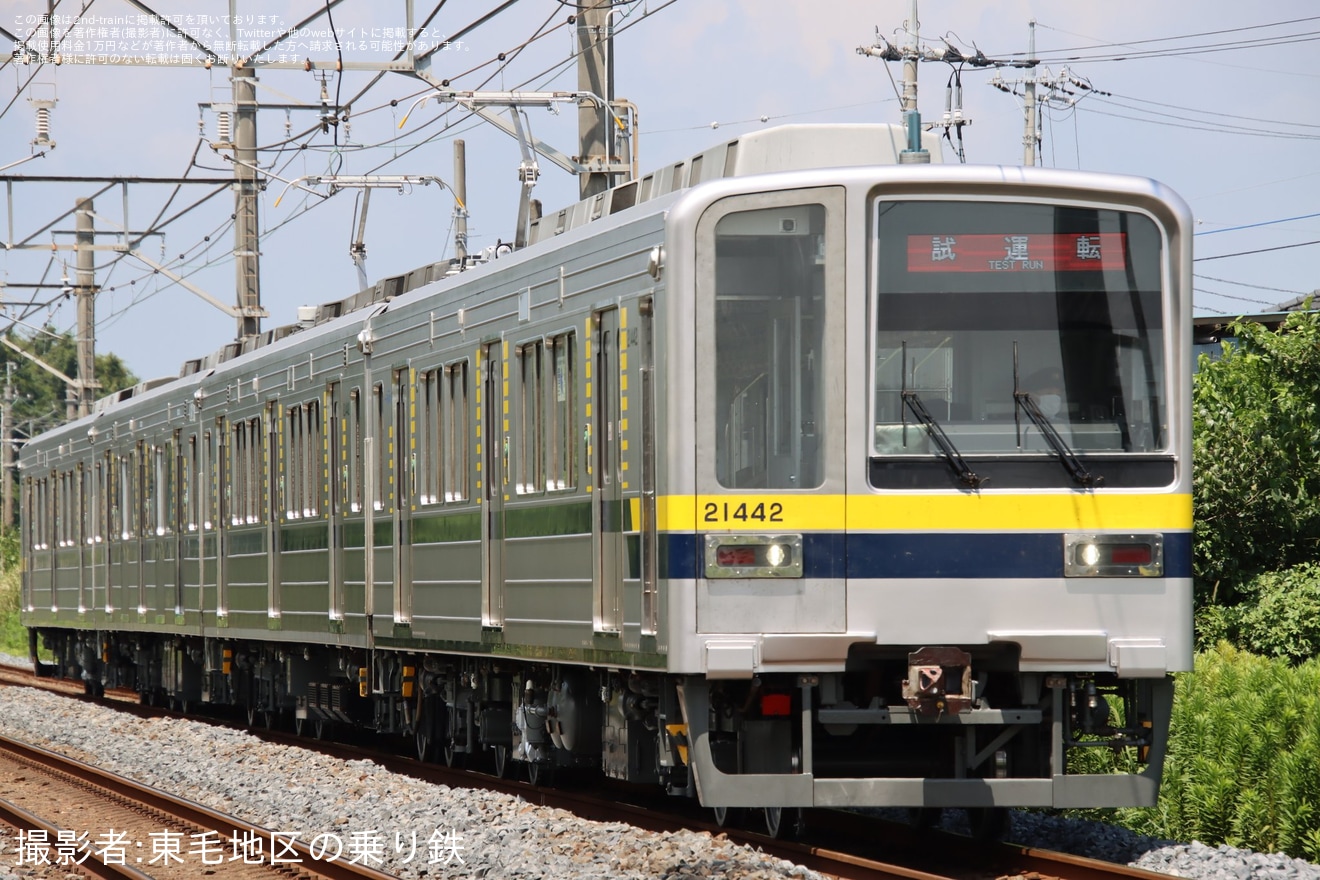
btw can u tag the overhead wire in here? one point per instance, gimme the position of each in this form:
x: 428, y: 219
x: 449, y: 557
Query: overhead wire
x: 507, y: 57
x: 1246, y: 284
x: 1281, y: 247
x: 1194, y: 36
x: 307, y: 208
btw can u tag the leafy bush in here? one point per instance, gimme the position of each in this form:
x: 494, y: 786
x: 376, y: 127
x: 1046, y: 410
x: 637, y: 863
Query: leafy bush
x: 1244, y: 759
x: 13, y: 635
x: 1284, y: 619
x: 1215, y: 624
x: 1256, y: 448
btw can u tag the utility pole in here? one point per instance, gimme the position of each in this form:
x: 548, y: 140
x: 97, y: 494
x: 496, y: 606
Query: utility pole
x: 914, y: 154
x: 595, y: 44
x: 1029, y: 138
x: 1062, y: 91
x: 247, y: 255
x: 85, y: 236
x: 909, y: 54
x: 460, y: 200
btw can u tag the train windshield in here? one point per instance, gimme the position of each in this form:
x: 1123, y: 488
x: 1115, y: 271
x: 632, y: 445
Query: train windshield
x: 1003, y: 320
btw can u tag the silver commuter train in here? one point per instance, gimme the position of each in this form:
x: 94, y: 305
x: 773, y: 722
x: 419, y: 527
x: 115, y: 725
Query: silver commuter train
x: 787, y: 476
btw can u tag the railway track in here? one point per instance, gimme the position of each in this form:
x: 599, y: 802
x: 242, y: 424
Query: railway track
x: 72, y: 813
x: 847, y: 845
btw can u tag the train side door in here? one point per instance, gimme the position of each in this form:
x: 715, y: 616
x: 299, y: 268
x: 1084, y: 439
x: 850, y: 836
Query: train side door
x: 494, y: 474
x: 607, y: 497
x: 770, y: 385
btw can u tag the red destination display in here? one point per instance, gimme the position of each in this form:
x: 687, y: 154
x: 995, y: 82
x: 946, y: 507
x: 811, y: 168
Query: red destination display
x: 1034, y: 252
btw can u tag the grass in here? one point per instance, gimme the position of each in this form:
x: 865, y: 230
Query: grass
x: 13, y: 635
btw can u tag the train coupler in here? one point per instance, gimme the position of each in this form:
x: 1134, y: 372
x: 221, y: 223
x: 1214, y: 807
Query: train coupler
x: 939, y: 681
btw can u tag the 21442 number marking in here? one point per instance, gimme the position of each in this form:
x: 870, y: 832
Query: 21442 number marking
x: 714, y: 512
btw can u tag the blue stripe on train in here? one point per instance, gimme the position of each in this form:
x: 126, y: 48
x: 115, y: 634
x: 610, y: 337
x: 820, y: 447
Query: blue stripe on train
x: 955, y: 555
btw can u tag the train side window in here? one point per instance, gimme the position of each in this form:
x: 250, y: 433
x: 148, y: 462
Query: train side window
x: 58, y: 488
x: 530, y: 422
x: 355, y: 450
x: 210, y: 505
x: 37, y: 508
x: 245, y: 458
x: 313, y: 457
x: 238, y: 475
x: 85, y: 515
x: 457, y: 440
x: 97, y: 501
x: 160, y: 467
x: 380, y: 446
x: 292, y: 482
x: 47, y: 513
x: 430, y: 426
x: 265, y: 503
x: 187, y: 473
x: 256, y: 455
x: 126, y: 520
x: 561, y: 415
x: 113, y: 506
x: 146, y: 490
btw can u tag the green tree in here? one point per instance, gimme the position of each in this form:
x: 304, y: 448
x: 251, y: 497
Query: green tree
x: 39, y: 396
x: 1256, y: 449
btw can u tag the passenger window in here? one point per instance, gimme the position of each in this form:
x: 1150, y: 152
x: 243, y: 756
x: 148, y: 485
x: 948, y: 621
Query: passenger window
x: 769, y: 339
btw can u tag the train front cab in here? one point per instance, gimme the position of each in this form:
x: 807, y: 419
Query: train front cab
x: 940, y: 505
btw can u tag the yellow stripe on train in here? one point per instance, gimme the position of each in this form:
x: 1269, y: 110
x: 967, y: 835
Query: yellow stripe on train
x: 981, y: 511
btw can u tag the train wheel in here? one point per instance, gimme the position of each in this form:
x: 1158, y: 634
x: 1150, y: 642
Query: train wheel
x: 453, y: 757
x: 501, y: 754
x: 784, y: 822
x: 726, y: 816
x: 540, y: 774
x: 423, y: 742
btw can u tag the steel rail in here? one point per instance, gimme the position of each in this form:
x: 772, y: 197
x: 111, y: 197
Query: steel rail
x: 17, y: 817
x: 190, y: 812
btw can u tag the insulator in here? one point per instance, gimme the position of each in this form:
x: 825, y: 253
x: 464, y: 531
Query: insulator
x: 222, y: 127
x: 43, y: 126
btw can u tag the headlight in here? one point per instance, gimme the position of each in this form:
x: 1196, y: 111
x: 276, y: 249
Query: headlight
x: 742, y: 556
x: 1113, y: 555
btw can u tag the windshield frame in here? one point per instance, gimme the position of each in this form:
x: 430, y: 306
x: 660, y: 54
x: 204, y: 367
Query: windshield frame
x: 1007, y: 461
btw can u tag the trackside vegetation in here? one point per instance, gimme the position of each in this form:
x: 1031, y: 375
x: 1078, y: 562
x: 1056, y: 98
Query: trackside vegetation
x: 13, y: 635
x: 1244, y: 760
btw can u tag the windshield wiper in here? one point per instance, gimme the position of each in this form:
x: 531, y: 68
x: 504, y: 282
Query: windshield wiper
x: 1067, y: 457
x: 961, y: 470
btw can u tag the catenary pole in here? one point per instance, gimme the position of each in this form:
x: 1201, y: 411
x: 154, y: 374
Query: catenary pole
x: 85, y: 236
x: 595, y: 45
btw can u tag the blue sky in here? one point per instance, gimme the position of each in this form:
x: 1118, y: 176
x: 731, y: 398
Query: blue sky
x: 1216, y: 99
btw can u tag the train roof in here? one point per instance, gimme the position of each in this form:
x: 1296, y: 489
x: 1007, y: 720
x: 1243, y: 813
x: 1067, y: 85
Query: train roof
x: 777, y: 149
x: 782, y: 148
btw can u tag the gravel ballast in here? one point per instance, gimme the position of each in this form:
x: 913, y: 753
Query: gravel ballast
x: 420, y: 830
